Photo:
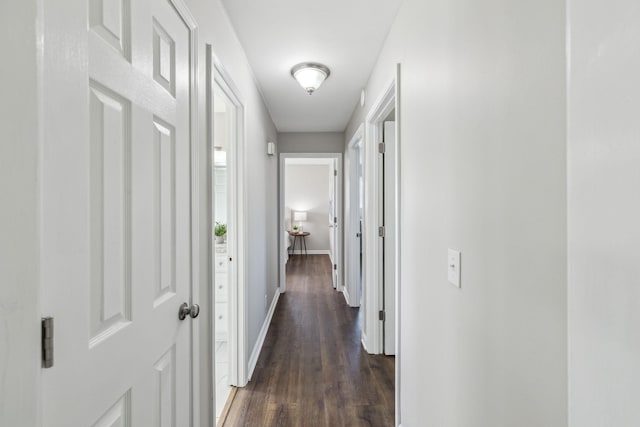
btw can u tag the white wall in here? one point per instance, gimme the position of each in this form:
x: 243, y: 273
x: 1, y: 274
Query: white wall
x: 604, y: 213
x: 214, y: 28
x: 19, y: 215
x: 483, y: 171
x: 311, y: 142
x: 306, y: 188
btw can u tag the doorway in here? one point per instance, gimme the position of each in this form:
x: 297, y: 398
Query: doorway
x: 381, y: 229
x: 354, y: 214
x: 381, y: 236
x: 310, y: 210
x: 227, y: 231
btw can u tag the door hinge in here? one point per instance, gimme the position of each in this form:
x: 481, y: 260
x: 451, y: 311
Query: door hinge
x: 335, y: 172
x: 381, y: 315
x: 381, y: 231
x: 335, y: 266
x: 381, y: 148
x: 335, y: 219
x: 47, y: 342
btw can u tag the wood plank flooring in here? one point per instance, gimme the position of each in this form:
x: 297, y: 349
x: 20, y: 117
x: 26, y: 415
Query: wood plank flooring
x: 313, y: 370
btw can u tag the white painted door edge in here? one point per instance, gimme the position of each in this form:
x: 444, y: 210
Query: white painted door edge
x: 196, y: 196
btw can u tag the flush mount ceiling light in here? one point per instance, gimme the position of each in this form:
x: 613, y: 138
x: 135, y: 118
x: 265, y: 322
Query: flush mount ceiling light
x: 310, y: 75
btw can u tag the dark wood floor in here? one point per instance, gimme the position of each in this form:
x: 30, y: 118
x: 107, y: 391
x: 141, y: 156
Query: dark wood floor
x: 312, y: 370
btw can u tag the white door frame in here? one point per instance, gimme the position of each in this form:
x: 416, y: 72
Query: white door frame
x: 352, y: 220
x: 281, y: 228
x: 334, y: 224
x: 238, y: 369
x: 372, y: 339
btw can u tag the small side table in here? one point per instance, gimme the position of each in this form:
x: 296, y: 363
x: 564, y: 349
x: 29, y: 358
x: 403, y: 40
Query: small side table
x: 303, y: 241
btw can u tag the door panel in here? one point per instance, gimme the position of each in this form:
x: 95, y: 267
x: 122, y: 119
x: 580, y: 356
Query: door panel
x: 117, y: 221
x: 110, y: 213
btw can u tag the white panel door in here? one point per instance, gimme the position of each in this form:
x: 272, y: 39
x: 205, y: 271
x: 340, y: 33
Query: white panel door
x: 116, y: 220
x: 389, y: 202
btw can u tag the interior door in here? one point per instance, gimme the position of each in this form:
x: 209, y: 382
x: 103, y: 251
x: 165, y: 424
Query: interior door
x: 333, y: 220
x: 116, y: 201
x: 389, y: 203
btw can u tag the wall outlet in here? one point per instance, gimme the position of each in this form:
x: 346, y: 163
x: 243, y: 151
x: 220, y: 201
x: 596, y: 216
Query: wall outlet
x: 453, y: 267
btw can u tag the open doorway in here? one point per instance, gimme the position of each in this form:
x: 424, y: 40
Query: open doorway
x: 381, y: 288
x: 381, y: 236
x: 227, y: 229
x: 310, y: 210
x: 354, y: 215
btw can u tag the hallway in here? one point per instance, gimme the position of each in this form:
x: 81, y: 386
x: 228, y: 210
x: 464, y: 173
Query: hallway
x: 313, y: 370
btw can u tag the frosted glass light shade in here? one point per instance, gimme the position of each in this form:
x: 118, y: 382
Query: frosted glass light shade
x: 310, y: 75
x: 300, y: 216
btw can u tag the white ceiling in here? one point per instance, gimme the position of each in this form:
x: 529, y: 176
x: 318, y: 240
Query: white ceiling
x: 345, y: 35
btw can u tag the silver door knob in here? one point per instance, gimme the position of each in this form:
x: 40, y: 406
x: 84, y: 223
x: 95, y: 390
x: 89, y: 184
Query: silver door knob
x: 195, y: 310
x: 185, y: 311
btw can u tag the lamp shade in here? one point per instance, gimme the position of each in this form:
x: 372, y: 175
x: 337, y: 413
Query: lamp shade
x: 310, y: 75
x: 299, y: 216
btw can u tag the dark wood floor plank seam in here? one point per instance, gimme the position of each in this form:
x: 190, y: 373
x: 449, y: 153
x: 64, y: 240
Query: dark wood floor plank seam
x: 312, y: 370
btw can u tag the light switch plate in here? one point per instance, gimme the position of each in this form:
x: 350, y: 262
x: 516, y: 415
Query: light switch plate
x: 453, y: 267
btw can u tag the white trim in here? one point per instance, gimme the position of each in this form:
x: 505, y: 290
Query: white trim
x: 345, y: 293
x: 372, y: 245
x: 255, y: 354
x: 398, y: 238
x: 237, y: 247
x: 352, y: 220
x: 364, y: 342
x: 209, y: 352
x: 281, y: 222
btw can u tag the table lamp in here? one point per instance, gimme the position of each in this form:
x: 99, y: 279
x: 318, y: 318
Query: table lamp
x: 300, y: 216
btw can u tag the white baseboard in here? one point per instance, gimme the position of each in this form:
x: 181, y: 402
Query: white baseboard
x: 253, y: 360
x: 313, y: 252
x: 345, y: 293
